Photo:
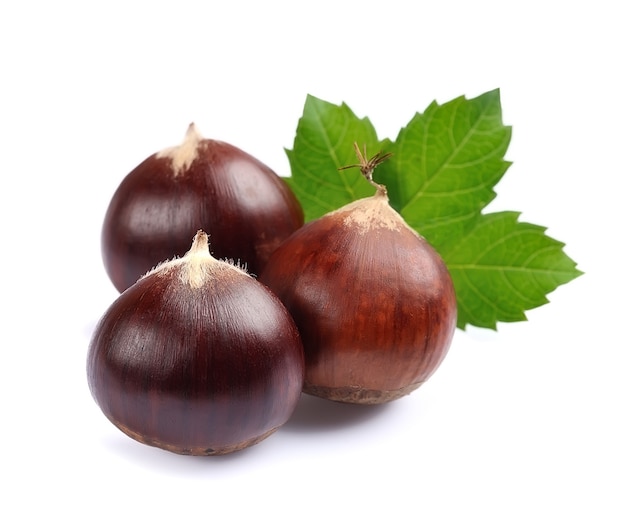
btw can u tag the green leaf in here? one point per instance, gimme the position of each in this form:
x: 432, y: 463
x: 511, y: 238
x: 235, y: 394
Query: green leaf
x: 445, y: 165
x: 442, y: 172
x: 502, y: 268
x: 324, y: 143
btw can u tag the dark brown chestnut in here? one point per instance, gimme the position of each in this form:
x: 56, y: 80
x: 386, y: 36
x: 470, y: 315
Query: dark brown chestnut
x: 373, y: 301
x: 245, y: 207
x: 197, y: 357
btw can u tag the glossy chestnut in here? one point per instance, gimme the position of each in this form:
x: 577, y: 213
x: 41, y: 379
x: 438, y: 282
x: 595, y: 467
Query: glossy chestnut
x: 373, y: 301
x: 244, y: 206
x: 196, y: 358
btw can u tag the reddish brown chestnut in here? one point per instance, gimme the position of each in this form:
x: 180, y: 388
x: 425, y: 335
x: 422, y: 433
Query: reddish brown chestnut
x: 373, y: 301
x: 246, y: 209
x: 197, y: 357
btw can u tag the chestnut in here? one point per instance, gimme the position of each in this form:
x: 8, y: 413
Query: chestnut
x: 197, y: 357
x: 373, y: 301
x: 244, y: 206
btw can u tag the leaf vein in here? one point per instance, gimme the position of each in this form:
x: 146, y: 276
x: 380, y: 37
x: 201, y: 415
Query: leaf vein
x: 454, y: 151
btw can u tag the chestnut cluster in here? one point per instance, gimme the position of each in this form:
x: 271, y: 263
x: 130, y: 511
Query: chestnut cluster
x: 207, y: 352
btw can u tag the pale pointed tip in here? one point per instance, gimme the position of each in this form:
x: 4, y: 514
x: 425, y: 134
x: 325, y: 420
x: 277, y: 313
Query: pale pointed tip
x: 193, y: 133
x: 200, y: 243
x: 381, y: 190
x: 192, y: 130
x: 183, y: 155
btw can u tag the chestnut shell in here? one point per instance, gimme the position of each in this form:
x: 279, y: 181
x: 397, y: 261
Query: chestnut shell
x: 203, y: 371
x: 245, y: 207
x: 376, y: 310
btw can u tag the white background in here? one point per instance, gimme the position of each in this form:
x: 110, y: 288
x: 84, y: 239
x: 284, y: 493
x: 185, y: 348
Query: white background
x: 520, y: 426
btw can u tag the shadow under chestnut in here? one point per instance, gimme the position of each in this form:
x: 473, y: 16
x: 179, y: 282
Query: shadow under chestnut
x: 314, y: 414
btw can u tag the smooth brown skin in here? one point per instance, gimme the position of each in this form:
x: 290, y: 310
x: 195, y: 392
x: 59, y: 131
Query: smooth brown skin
x: 202, y: 371
x: 246, y: 209
x: 376, y: 311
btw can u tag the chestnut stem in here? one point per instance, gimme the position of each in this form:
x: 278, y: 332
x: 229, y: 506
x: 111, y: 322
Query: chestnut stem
x: 367, y: 166
x: 200, y: 243
x: 183, y: 155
